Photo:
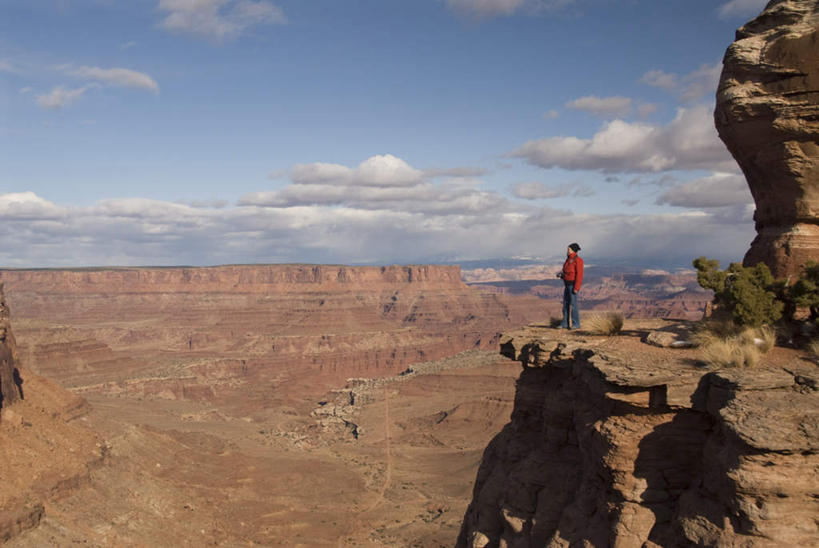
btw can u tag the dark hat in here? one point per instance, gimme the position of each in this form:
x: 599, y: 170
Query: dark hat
x: 574, y: 247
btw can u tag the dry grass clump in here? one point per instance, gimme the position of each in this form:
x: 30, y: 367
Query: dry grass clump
x: 813, y: 348
x: 731, y: 346
x: 731, y: 353
x: 609, y: 323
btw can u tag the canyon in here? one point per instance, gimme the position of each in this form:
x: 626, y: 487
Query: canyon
x: 381, y: 406
x: 267, y: 404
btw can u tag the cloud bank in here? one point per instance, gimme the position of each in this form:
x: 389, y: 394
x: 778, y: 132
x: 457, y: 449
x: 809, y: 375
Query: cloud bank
x: 688, y: 142
x: 381, y: 211
x: 218, y: 20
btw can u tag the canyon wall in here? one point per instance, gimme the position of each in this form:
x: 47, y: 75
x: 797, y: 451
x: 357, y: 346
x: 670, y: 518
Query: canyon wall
x: 767, y: 114
x: 9, y: 375
x: 42, y: 456
x: 611, y: 447
x: 267, y: 332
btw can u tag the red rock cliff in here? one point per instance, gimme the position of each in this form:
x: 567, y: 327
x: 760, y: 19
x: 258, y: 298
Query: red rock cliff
x: 234, y: 278
x: 767, y: 114
x: 9, y: 376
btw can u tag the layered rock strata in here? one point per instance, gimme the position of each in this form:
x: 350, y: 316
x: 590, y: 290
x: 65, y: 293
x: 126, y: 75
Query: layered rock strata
x: 255, y: 334
x: 605, y: 450
x: 767, y: 114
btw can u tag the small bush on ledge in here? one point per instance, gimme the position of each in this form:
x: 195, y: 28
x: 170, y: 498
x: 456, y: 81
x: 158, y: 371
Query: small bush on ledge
x: 724, y: 344
x: 609, y: 323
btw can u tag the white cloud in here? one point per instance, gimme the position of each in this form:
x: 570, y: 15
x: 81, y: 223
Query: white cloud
x: 484, y: 9
x: 661, y: 79
x: 689, y: 141
x: 60, y: 97
x: 646, y: 109
x: 741, y: 8
x: 716, y: 190
x: 6, y: 66
x: 26, y: 205
x: 115, y: 76
x: 606, y: 107
x: 380, y: 170
x: 456, y: 172
x: 701, y: 82
x: 690, y: 87
x: 551, y: 114
x: 535, y: 190
x: 218, y: 20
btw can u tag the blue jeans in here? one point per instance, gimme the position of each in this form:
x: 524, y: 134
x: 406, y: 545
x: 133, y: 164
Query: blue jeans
x: 570, y: 305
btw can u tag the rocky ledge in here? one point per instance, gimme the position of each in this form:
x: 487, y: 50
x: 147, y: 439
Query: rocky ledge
x: 612, y: 447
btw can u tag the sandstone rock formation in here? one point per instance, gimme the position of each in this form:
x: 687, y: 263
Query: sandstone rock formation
x: 607, y: 449
x: 767, y: 114
x: 9, y: 375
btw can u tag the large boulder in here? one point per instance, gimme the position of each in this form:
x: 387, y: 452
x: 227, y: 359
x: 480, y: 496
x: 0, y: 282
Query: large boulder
x: 767, y: 114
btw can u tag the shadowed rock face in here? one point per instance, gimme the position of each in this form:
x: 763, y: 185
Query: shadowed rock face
x: 767, y: 114
x: 9, y: 389
x: 610, y: 445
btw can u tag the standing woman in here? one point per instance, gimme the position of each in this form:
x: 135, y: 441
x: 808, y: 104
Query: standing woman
x: 572, y: 275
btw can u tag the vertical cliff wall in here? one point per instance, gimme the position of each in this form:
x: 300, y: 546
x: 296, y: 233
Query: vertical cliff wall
x: 609, y: 448
x: 767, y: 114
x: 9, y: 376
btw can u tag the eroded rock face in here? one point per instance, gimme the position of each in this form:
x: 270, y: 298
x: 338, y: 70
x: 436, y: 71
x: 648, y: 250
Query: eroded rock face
x: 9, y: 376
x: 604, y: 449
x: 767, y: 114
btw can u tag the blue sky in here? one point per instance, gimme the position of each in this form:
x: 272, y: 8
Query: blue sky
x: 382, y: 131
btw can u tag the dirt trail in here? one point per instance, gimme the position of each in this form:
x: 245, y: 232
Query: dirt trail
x: 388, y: 454
x: 357, y: 522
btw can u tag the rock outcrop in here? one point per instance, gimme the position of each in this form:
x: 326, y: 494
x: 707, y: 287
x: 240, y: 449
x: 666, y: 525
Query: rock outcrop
x: 607, y: 449
x: 767, y: 114
x: 9, y: 375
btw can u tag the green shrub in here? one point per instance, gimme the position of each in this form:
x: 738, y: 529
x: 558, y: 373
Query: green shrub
x: 748, y: 294
x: 805, y: 292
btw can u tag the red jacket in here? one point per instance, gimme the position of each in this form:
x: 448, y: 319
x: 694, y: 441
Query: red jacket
x: 573, y: 270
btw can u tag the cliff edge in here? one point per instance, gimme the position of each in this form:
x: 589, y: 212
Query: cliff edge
x: 610, y: 445
x: 767, y: 114
x: 42, y: 455
x: 10, y: 382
